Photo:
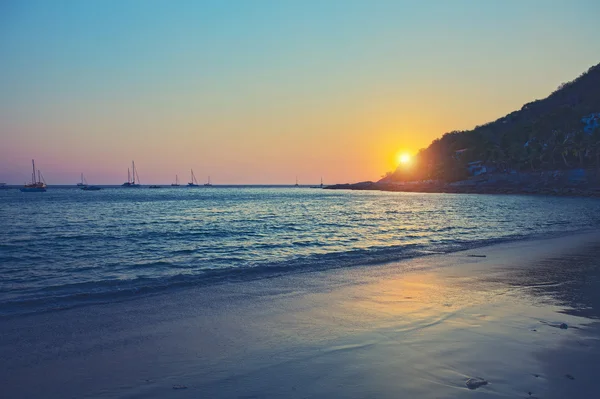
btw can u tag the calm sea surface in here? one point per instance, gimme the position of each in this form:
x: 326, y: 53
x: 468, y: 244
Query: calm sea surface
x: 67, y: 247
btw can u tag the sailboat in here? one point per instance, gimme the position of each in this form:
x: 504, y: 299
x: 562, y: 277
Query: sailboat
x: 85, y: 187
x: 37, y: 185
x: 320, y: 186
x: 193, y: 182
x: 208, y: 183
x: 131, y: 177
x: 82, y: 182
x: 176, y: 184
x: 296, y: 185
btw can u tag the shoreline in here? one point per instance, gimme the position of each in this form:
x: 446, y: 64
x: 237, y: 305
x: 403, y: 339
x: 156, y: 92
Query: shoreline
x: 127, y: 293
x: 414, y: 328
x: 500, y: 189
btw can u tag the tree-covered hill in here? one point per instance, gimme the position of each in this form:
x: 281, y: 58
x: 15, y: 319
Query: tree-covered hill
x: 558, y: 132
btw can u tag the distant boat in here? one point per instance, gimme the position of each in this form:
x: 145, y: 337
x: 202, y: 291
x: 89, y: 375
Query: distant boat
x: 176, y: 184
x: 82, y: 182
x: 208, y: 183
x: 3, y: 186
x: 37, y: 185
x: 320, y: 186
x: 193, y: 182
x: 296, y: 185
x: 154, y: 186
x: 131, y: 177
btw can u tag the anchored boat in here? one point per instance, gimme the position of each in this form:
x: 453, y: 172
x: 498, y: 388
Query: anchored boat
x: 37, y: 185
x: 131, y: 177
x: 82, y: 183
x: 320, y: 186
x: 193, y: 182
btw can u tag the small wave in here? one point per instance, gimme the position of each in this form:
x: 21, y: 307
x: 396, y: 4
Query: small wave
x: 152, y: 265
x: 76, y: 294
x: 183, y: 251
x: 169, y: 240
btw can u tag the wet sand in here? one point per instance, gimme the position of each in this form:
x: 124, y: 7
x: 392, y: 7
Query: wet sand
x: 418, y: 328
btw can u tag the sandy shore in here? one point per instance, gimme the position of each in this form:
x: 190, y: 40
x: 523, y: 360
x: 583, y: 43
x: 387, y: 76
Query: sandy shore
x: 414, y: 329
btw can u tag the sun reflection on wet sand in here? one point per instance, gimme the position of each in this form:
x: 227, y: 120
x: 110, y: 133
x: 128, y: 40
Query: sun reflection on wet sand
x: 418, y: 328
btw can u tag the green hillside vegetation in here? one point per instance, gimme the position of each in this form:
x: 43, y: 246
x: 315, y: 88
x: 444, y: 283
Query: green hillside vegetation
x: 546, y: 134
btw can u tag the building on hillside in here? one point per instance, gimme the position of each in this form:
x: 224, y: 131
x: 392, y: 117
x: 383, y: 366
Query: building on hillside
x: 459, y: 153
x: 477, y: 168
x: 591, y: 122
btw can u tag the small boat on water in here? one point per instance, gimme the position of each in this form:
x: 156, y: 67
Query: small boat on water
x: 131, y: 177
x: 154, y: 186
x: 193, y: 182
x: 176, y: 184
x: 85, y: 186
x: 3, y: 186
x: 320, y: 186
x: 38, y: 184
x: 296, y: 185
x: 82, y: 183
x: 208, y: 184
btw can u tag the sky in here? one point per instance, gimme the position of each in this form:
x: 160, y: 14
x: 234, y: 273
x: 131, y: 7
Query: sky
x: 262, y: 91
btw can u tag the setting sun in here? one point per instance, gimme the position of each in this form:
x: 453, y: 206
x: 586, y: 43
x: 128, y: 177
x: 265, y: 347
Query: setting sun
x: 404, y: 158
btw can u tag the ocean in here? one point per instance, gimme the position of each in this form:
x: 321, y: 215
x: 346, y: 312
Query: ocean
x: 68, y: 247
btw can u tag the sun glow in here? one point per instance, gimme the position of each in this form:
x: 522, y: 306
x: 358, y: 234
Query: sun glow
x: 404, y: 159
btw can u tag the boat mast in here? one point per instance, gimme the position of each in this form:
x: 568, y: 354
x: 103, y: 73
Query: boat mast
x: 33, y: 174
x: 136, y: 175
x: 128, y: 176
x: 133, y: 171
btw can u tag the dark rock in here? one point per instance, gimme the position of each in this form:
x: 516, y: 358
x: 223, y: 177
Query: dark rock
x: 474, y: 383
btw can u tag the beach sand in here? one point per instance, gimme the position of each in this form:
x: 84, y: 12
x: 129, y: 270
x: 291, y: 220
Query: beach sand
x: 417, y: 328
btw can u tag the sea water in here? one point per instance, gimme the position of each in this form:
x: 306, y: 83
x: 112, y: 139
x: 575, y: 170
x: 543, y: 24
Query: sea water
x: 68, y: 247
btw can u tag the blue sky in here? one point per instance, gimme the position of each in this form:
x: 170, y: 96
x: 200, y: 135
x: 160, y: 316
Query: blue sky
x: 262, y: 91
